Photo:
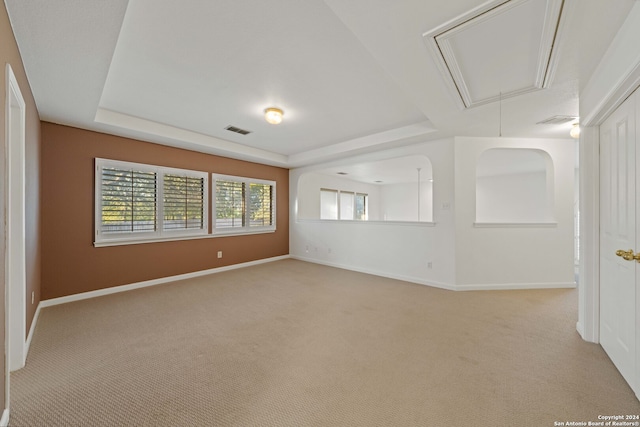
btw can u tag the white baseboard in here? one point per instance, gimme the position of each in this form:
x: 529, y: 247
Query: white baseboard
x: 147, y: 283
x: 442, y: 285
x: 580, y: 329
x: 34, y: 321
x: 515, y: 286
x: 4, y: 421
x: 410, y: 279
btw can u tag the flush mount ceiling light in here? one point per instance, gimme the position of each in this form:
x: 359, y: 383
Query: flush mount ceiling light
x: 575, y: 131
x: 273, y: 115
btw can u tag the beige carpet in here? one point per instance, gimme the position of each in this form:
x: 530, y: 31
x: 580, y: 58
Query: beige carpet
x: 296, y: 344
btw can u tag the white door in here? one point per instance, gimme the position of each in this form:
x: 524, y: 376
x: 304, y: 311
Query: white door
x: 618, y: 218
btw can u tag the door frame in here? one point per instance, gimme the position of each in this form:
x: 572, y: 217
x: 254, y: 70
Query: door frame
x: 614, y: 79
x: 15, y: 280
x: 589, y: 153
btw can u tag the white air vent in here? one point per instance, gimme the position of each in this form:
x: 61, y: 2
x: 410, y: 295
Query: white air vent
x: 557, y: 120
x: 238, y: 130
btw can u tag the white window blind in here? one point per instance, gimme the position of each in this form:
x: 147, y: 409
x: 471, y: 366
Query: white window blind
x: 138, y: 202
x: 183, y: 198
x: 328, y: 204
x: 260, y: 205
x: 229, y: 204
x: 344, y: 205
x: 128, y: 200
x: 244, y: 205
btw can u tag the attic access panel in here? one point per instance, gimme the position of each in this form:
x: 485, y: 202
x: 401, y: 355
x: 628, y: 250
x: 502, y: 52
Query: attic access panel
x: 500, y: 49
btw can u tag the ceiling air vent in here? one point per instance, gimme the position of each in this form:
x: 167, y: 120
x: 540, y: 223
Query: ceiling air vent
x: 238, y: 130
x: 557, y: 120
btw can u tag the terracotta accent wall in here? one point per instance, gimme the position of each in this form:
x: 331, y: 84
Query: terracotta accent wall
x: 70, y: 262
x: 9, y: 54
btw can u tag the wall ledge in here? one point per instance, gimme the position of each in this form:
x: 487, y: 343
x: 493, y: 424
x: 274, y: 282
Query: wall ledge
x: 343, y: 221
x: 515, y: 224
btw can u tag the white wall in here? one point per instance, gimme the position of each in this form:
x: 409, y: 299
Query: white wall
x: 399, y: 202
x: 516, y: 197
x: 514, y: 255
x: 401, y: 250
x: 452, y: 252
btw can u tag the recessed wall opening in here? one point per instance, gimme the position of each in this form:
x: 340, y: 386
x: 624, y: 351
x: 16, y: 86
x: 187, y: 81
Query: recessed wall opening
x: 514, y: 185
x: 398, y: 189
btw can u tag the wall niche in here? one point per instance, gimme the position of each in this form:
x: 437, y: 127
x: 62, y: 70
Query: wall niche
x: 514, y: 185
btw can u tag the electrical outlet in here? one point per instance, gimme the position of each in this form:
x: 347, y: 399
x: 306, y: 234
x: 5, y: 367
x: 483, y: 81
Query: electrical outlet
x: 219, y: 254
x: 429, y: 265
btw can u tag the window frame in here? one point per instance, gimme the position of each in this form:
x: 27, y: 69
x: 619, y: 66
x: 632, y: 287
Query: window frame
x: 160, y: 233
x: 246, y: 228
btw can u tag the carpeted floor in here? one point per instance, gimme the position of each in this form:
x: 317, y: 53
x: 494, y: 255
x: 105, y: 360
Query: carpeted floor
x: 290, y: 343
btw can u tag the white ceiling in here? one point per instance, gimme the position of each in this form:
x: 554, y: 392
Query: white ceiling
x: 352, y: 77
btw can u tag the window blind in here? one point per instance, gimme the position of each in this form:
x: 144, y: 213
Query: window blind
x: 244, y: 205
x: 230, y: 197
x: 128, y: 201
x: 136, y: 202
x: 183, y: 198
x: 260, y: 205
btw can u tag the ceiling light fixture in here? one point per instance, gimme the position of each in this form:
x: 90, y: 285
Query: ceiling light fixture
x: 273, y: 115
x: 575, y: 131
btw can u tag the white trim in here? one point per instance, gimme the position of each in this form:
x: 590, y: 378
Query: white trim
x: 32, y: 330
x: 589, y: 264
x: 614, y: 79
x: 614, y: 97
x: 153, y: 282
x: 176, y: 239
x: 4, y: 421
x: 515, y: 224
x: 358, y: 221
x: 580, y: 329
x: 515, y: 286
x: 16, y: 273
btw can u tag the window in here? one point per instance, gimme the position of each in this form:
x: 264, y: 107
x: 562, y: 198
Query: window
x: 344, y: 205
x: 243, y: 205
x: 184, y: 206
x: 137, y: 202
x: 328, y: 204
x: 362, y: 207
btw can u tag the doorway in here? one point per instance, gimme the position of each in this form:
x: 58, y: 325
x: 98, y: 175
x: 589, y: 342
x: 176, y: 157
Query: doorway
x: 15, y: 256
x: 620, y: 238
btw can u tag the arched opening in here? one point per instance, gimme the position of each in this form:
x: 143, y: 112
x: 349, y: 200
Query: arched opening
x: 514, y: 185
x: 398, y: 189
